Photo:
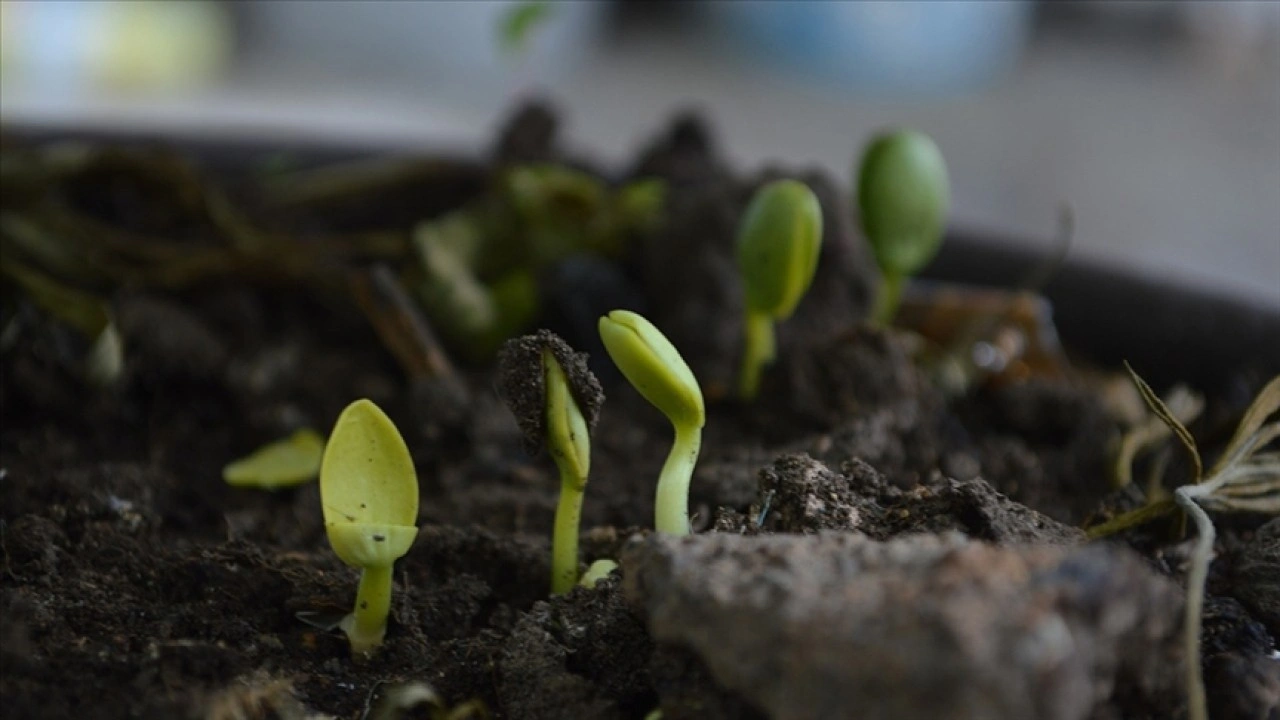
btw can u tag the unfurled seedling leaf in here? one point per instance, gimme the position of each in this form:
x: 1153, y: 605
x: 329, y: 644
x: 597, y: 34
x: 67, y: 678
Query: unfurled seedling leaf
x: 903, y: 197
x: 369, y: 493
x: 778, y: 243
x: 556, y: 400
x: 653, y: 366
x: 284, y: 463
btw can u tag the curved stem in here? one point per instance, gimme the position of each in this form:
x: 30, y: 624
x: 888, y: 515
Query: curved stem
x: 564, y: 538
x: 367, y: 624
x: 759, y: 350
x: 1198, y: 573
x: 888, y: 295
x: 671, y: 509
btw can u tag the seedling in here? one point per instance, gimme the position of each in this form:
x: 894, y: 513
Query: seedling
x: 653, y: 366
x: 285, y: 463
x: 903, y: 198
x: 1246, y: 478
x: 369, y: 493
x: 556, y: 400
x: 778, y: 243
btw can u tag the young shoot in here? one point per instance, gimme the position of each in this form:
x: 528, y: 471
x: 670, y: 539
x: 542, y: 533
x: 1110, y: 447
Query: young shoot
x: 653, y: 366
x: 369, y: 495
x: 1245, y: 479
x: 556, y: 400
x: 778, y: 243
x: 903, y: 198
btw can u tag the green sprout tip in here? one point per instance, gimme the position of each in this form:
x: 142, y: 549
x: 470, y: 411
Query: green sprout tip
x: 555, y: 399
x: 653, y: 366
x: 778, y: 244
x: 903, y: 198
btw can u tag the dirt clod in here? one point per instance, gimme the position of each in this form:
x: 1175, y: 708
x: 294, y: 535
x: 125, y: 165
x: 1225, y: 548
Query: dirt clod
x: 902, y: 628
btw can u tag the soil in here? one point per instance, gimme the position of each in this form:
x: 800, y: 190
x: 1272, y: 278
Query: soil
x: 136, y: 583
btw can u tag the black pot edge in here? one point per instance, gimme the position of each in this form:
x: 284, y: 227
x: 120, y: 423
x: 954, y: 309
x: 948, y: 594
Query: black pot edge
x: 1167, y: 331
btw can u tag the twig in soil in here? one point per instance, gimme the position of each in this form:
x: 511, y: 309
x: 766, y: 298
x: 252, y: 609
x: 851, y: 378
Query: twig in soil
x: 400, y: 325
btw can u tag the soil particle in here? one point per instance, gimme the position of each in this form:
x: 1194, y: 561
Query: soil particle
x: 168, y: 339
x: 1242, y: 687
x: 1255, y: 575
x: 683, y: 154
x: 798, y: 494
x: 691, y: 278
x: 1046, y: 446
x: 903, y: 628
x: 581, y: 655
x: 528, y: 136
x: 690, y: 692
x: 852, y: 375
x: 1241, y: 669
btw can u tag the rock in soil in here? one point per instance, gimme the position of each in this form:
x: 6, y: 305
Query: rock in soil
x: 1255, y: 574
x: 809, y: 626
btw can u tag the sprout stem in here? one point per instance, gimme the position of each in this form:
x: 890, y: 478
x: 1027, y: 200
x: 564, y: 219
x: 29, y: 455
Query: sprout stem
x: 759, y: 351
x: 672, y: 506
x: 367, y: 624
x: 1197, y: 575
x: 564, y: 538
x: 888, y: 296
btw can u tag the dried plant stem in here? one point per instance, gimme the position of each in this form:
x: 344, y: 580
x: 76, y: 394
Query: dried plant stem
x: 1197, y: 574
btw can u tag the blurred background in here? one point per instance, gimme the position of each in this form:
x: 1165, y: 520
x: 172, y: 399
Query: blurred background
x: 1158, y: 123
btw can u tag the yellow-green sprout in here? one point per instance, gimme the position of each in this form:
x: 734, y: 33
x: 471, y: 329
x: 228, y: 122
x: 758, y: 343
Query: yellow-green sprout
x: 556, y: 400
x: 285, y: 463
x: 653, y: 366
x: 598, y: 571
x: 778, y: 243
x: 369, y: 493
x: 903, y: 198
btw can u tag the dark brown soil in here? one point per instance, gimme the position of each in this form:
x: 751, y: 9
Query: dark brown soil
x: 136, y: 583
